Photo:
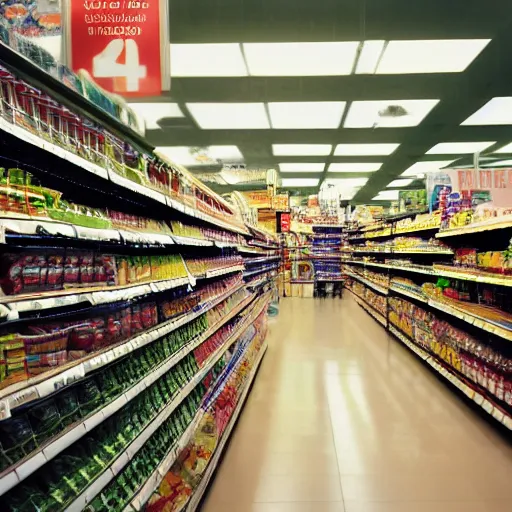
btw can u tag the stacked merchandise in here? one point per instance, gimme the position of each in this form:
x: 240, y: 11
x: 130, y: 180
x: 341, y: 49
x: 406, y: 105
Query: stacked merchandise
x: 450, y: 305
x: 118, y: 333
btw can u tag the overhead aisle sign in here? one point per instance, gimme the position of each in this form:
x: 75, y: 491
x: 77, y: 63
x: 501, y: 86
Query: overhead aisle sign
x: 123, y: 45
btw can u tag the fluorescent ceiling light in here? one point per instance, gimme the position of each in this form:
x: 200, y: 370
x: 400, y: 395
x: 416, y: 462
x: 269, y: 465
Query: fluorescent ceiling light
x: 368, y: 114
x: 300, y: 59
x: 224, y: 59
x: 430, y: 56
x: 369, y: 57
x: 193, y: 156
x: 290, y: 167
x: 348, y: 182
x: 355, y: 167
x: 505, y: 149
x: 458, y: 148
x: 229, y: 116
x: 301, y: 149
x: 364, y: 149
x: 495, y: 111
x: 153, y: 112
x: 306, y: 114
x: 501, y: 163
x: 299, y: 182
x: 424, y: 167
x: 400, y: 183
x: 387, y: 195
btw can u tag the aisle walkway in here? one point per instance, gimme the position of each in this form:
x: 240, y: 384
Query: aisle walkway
x: 344, y: 418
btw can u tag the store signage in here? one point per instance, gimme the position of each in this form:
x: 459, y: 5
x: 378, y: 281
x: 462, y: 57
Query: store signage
x: 497, y: 181
x: 258, y: 199
x: 123, y: 45
x: 285, y: 222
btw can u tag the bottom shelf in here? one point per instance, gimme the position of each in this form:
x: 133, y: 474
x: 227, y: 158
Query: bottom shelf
x: 487, y: 405
x: 370, y: 309
x: 198, y: 495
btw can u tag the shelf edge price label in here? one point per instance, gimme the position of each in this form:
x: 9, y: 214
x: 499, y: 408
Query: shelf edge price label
x: 122, y: 45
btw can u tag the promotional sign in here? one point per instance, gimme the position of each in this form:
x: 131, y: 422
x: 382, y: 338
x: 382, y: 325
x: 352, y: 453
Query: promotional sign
x: 258, y: 199
x: 122, y: 45
x: 285, y: 222
x: 497, y: 181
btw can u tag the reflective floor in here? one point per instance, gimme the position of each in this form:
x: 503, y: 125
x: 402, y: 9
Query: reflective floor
x: 342, y: 417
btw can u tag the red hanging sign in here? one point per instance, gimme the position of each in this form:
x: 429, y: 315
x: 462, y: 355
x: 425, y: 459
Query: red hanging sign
x: 123, y: 45
x: 285, y: 222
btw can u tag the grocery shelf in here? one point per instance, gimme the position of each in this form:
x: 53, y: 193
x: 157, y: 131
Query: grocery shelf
x: 486, y: 404
x: 47, y: 383
x: 124, y: 458
x: 370, y: 309
x: 260, y: 271
x: 504, y: 222
x: 474, y: 275
x: 418, y: 269
x: 197, y: 242
x: 481, y: 323
x: 94, y: 295
x: 261, y: 260
x: 112, y: 176
x: 38, y: 77
x: 214, y: 461
x: 407, y: 293
x: 27, y: 466
x: 367, y: 282
x: 402, y: 251
x: 222, y: 271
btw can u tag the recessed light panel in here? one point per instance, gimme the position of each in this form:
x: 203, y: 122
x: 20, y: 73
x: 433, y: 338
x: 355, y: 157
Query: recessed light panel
x: 229, y: 116
x: 458, y: 148
x: 290, y: 167
x: 355, y: 167
x: 299, y: 182
x: 348, y: 182
x: 505, y: 149
x: 424, y: 167
x: 300, y: 59
x: 430, y: 56
x: 369, y: 57
x: 364, y: 149
x: 387, y: 195
x: 301, y: 149
x: 388, y: 113
x: 400, y: 183
x: 500, y: 163
x: 494, y: 112
x: 207, y: 60
x: 306, y: 114
x: 153, y: 112
x: 193, y: 156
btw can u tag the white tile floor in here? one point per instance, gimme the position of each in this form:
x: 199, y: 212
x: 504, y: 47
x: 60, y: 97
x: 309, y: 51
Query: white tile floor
x: 344, y: 418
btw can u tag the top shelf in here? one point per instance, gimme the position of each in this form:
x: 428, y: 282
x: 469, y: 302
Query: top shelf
x: 497, y: 223
x: 33, y: 74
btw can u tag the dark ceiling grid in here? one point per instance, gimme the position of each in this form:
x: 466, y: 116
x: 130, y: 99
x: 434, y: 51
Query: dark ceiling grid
x: 461, y: 94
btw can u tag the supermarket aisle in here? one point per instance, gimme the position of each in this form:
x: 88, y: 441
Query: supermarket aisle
x: 344, y: 418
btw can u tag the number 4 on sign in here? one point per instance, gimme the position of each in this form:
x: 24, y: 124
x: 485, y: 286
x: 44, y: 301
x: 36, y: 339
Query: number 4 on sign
x: 106, y: 65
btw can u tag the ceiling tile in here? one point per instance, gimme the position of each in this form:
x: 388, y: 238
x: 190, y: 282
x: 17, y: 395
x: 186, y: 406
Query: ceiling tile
x: 223, y: 59
x: 152, y: 112
x: 300, y: 59
x: 495, y: 112
x: 292, y: 167
x: 430, y: 56
x: 299, y: 182
x: 364, y: 149
x: 229, y: 116
x: 301, y: 149
x: 379, y: 114
x: 424, y: 167
x: 505, y: 149
x: 400, y: 183
x: 306, y: 114
x: 387, y: 195
x: 458, y: 148
x: 355, y: 167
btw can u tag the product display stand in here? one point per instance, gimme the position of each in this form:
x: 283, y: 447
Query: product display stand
x: 443, y: 293
x: 122, y: 337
